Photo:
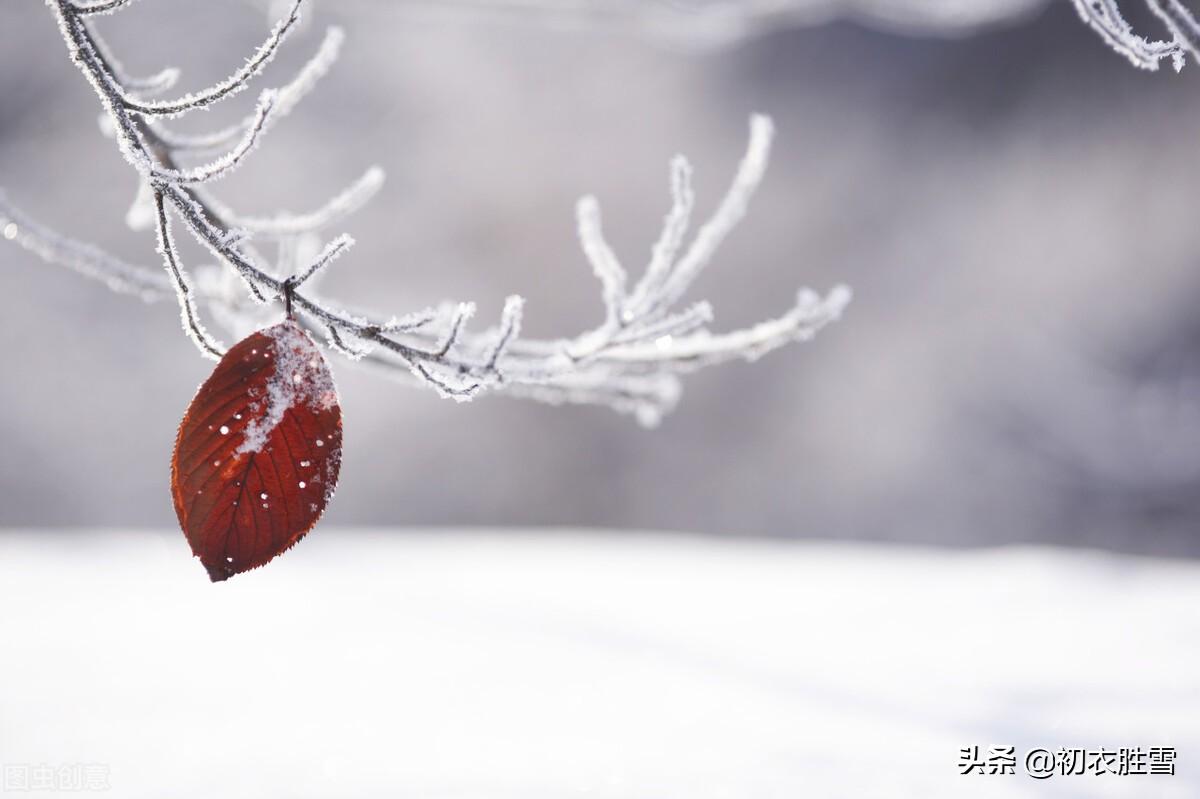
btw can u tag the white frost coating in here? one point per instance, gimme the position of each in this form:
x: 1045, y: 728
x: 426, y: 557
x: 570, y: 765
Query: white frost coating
x: 230, y: 160
x: 227, y: 88
x: 510, y: 327
x: 671, y: 239
x: 189, y: 317
x: 301, y: 377
x: 614, y: 363
x: 729, y: 213
x: 334, y: 249
x: 100, y: 7
x: 287, y: 97
x: 1104, y: 17
x: 678, y: 324
x: 810, y: 314
x: 342, y: 205
x: 153, y: 84
x: 604, y: 262
x: 119, y: 276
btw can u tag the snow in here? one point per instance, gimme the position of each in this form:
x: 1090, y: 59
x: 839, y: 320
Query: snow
x: 301, y: 376
x: 560, y: 664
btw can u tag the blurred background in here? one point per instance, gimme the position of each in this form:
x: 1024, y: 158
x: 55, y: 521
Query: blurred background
x: 1010, y: 201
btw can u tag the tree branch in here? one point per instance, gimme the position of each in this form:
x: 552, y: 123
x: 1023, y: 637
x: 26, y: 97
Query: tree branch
x: 630, y: 361
x: 1104, y: 17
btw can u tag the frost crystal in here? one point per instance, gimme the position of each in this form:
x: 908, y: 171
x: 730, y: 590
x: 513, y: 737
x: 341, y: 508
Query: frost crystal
x: 1104, y: 17
x: 300, y: 377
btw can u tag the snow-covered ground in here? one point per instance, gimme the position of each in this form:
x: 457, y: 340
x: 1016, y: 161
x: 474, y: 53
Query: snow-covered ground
x: 559, y: 664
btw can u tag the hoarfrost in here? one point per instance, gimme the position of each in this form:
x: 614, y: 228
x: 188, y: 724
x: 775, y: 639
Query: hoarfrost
x: 300, y: 376
x: 631, y: 361
x: 1104, y: 17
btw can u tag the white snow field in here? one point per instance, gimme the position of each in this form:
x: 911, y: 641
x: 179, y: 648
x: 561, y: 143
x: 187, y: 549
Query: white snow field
x: 564, y: 664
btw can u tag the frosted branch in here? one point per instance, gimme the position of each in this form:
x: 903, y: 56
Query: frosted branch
x: 227, y: 88
x: 100, y: 7
x: 228, y: 162
x: 510, y: 328
x: 342, y: 205
x: 1104, y: 17
x: 287, y: 97
x: 187, y: 306
x: 409, y: 322
x: 87, y: 260
x: 462, y: 313
x: 310, y: 74
x: 728, y: 214
x: 678, y: 324
x: 671, y: 239
x: 630, y: 361
x: 154, y: 84
x: 604, y: 263
x: 334, y: 249
x: 1180, y: 22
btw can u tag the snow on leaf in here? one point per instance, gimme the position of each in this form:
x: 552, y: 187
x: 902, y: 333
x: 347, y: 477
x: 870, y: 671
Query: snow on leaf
x: 266, y: 423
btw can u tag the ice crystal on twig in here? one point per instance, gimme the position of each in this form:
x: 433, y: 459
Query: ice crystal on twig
x: 1104, y: 17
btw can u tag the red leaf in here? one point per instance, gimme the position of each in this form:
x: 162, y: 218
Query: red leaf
x: 258, y: 451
